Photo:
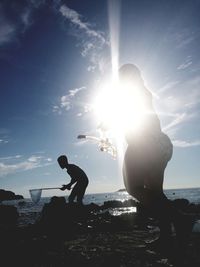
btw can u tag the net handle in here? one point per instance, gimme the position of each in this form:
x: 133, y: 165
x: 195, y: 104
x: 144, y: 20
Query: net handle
x: 46, y: 188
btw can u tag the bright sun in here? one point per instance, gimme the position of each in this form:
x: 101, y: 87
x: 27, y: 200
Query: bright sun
x: 120, y: 108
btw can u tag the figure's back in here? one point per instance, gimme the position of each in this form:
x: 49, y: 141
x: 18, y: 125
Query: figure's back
x: 77, y: 173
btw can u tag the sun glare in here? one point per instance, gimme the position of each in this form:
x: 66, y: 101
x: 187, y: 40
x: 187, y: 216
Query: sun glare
x: 120, y: 108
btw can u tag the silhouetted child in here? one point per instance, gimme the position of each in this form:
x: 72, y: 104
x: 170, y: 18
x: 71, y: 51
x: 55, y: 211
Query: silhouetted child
x: 78, y: 177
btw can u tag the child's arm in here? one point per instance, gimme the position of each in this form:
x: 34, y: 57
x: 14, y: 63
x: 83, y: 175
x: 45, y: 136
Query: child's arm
x: 68, y: 186
x: 73, y: 181
x: 65, y: 186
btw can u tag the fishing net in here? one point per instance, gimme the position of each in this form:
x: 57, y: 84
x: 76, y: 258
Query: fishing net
x: 35, y: 195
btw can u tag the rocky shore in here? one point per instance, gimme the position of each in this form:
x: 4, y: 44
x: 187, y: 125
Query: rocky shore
x: 70, y: 235
x: 9, y: 195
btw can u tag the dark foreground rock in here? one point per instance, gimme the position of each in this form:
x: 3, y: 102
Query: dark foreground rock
x: 9, y: 195
x: 8, y: 216
x: 72, y: 235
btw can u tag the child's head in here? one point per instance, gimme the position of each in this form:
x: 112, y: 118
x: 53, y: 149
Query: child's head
x: 62, y: 161
x: 130, y: 73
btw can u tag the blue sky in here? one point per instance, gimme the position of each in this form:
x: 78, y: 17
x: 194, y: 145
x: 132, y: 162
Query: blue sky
x: 54, y: 54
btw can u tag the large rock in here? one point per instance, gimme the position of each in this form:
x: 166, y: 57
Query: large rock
x: 9, y: 195
x: 62, y: 219
x: 8, y: 215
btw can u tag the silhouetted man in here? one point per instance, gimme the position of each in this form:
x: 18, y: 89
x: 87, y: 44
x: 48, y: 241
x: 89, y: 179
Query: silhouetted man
x: 78, y: 176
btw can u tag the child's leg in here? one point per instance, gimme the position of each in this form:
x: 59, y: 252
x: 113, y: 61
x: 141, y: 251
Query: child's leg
x: 73, y: 194
x: 81, y: 192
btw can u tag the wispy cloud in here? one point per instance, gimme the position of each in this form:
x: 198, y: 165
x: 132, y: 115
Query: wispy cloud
x: 75, y: 18
x: 181, y: 36
x: 184, y: 37
x: 3, y: 141
x: 67, y: 101
x: 11, y: 157
x: 182, y: 99
x: 167, y: 86
x: 35, y: 158
x: 19, y: 164
x: 15, y: 19
x: 185, y: 64
x: 7, y: 31
x: 183, y: 144
x: 92, y: 42
x: 179, y: 118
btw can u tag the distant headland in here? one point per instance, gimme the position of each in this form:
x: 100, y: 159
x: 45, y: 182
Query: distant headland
x: 121, y: 190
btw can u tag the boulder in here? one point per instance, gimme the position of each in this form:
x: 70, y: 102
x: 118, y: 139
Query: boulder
x: 8, y: 215
x: 181, y: 203
x: 9, y: 195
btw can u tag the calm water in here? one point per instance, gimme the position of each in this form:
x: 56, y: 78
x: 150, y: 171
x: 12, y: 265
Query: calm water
x: 30, y: 211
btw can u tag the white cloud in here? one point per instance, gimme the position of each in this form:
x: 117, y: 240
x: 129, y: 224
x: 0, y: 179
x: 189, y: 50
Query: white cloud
x: 87, y: 47
x: 6, y: 169
x: 183, y: 144
x: 15, y: 165
x: 67, y: 101
x: 87, y: 108
x: 35, y: 158
x: 73, y: 92
x: 76, y: 19
x: 92, y: 42
x: 11, y: 157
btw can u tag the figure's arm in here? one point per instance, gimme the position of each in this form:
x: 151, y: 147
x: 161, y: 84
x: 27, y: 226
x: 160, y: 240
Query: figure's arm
x: 73, y: 181
x: 68, y: 186
x: 65, y: 186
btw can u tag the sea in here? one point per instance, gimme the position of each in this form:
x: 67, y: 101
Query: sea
x: 29, y: 211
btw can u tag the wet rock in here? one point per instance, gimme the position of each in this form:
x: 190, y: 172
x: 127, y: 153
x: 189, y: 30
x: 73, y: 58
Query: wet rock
x: 62, y: 220
x: 181, y: 203
x: 112, y: 204
x: 92, y: 207
x: 53, y: 213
